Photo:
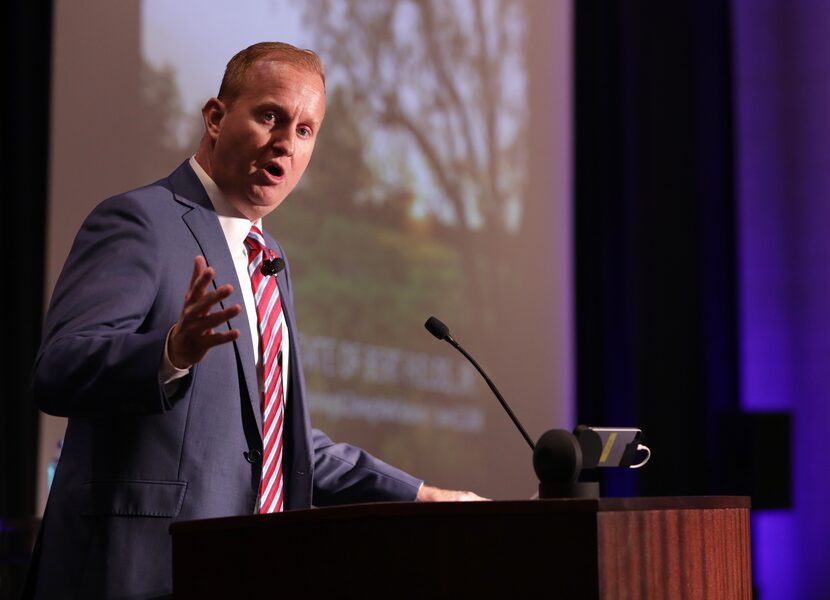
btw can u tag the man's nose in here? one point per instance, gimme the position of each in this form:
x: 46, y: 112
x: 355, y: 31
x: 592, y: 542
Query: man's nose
x: 282, y: 141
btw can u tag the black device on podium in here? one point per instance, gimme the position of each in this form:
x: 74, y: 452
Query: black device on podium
x: 560, y: 456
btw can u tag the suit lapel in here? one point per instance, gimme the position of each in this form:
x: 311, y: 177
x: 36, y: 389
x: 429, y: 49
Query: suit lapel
x: 204, y: 225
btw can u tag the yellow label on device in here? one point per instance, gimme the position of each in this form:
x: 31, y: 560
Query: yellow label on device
x: 608, y: 445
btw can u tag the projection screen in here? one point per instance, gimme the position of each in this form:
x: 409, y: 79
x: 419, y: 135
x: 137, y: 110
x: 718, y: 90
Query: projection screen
x: 440, y: 185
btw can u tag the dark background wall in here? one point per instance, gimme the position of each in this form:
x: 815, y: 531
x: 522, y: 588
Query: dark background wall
x: 655, y: 289
x: 701, y: 216
x: 27, y: 37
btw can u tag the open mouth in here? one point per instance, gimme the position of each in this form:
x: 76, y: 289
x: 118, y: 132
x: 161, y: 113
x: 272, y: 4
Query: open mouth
x: 275, y: 170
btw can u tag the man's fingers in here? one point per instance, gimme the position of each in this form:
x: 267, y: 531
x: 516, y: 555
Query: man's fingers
x: 200, y: 278
x: 215, y: 319
x: 194, y: 324
x: 211, y: 339
x: 198, y: 267
x: 206, y: 303
x: 193, y: 335
x: 201, y: 306
x: 200, y: 285
x: 189, y: 347
x: 428, y: 493
x: 217, y: 339
x: 470, y: 497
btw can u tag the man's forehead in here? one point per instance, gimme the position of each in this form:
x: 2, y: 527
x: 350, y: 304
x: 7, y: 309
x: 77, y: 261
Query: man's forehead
x: 281, y: 74
x: 278, y: 66
x: 274, y: 82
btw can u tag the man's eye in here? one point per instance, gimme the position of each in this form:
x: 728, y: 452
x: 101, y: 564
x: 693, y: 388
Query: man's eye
x: 269, y: 117
x: 304, y: 131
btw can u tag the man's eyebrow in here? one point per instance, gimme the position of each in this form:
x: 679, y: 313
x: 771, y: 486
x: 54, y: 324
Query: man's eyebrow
x: 271, y: 105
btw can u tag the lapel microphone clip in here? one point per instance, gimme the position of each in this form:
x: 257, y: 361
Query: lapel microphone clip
x: 272, y: 266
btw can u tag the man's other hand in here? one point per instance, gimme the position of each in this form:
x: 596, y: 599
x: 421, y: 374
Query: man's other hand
x: 192, y: 335
x: 428, y: 493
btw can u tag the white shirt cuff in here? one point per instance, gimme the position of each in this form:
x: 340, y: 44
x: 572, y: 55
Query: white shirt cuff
x: 168, y: 372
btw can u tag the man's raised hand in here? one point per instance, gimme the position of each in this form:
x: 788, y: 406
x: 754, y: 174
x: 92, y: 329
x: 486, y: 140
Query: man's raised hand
x: 193, y: 334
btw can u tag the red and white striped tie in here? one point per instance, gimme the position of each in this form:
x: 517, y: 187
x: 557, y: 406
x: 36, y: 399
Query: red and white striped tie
x: 270, y: 317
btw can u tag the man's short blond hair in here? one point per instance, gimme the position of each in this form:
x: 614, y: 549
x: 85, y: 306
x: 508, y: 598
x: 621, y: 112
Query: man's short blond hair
x: 233, y: 82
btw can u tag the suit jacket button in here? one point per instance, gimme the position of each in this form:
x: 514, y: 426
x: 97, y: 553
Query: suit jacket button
x: 254, y: 456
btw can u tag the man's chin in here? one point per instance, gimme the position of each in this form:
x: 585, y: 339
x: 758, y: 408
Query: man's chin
x: 262, y: 204
x: 253, y: 207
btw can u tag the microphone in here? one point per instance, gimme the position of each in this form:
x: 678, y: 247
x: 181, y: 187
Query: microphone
x: 272, y: 266
x: 442, y: 332
x: 438, y: 329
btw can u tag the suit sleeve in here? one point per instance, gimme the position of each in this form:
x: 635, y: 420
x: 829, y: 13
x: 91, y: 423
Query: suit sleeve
x: 99, y: 355
x: 345, y: 474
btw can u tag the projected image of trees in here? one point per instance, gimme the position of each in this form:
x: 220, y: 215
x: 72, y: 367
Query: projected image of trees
x: 413, y: 205
x: 408, y: 209
x: 436, y: 93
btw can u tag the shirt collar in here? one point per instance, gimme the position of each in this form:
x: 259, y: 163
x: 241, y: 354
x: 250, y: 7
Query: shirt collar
x: 234, y: 225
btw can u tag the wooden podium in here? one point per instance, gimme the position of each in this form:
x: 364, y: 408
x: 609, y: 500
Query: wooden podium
x: 638, y: 548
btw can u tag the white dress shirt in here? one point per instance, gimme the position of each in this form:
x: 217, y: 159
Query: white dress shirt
x: 236, y: 228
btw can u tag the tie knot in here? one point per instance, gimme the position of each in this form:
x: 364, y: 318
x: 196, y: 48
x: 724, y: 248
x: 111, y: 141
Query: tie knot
x: 255, y: 240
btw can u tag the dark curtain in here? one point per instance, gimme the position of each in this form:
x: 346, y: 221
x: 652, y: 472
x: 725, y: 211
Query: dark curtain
x: 27, y: 46
x: 27, y: 42
x: 655, y: 234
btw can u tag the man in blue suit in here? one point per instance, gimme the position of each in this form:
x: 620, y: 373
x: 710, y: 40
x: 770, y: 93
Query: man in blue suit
x: 163, y: 394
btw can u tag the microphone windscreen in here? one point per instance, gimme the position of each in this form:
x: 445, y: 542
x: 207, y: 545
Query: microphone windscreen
x: 272, y: 267
x: 279, y: 264
x: 437, y: 328
x: 557, y: 457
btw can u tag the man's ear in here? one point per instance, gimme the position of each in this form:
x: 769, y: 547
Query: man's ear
x: 213, y: 112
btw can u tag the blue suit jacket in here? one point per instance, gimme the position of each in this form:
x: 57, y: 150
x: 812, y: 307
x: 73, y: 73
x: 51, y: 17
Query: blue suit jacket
x: 134, y: 460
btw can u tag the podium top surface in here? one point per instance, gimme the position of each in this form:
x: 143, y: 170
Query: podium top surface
x: 457, y: 509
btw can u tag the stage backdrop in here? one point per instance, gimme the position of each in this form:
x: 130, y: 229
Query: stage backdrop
x: 782, y: 94
x: 440, y: 185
